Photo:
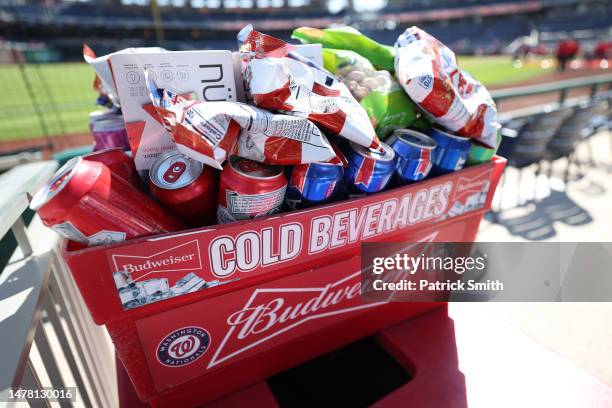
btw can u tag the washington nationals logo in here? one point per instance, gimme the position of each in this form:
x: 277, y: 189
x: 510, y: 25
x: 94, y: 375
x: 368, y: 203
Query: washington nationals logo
x: 183, y: 346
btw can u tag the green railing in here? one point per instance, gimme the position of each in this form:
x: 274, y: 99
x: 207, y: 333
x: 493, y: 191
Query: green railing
x: 594, y: 83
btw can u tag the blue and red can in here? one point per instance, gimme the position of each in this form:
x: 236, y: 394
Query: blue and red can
x: 368, y: 171
x: 413, y: 154
x: 451, y: 153
x: 312, y: 184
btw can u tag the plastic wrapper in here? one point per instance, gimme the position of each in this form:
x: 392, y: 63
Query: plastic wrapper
x: 347, y: 38
x: 378, y: 92
x: 210, y: 131
x: 429, y: 73
x: 279, y: 79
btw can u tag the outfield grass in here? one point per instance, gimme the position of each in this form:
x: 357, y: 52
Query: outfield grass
x: 498, y: 69
x: 64, y: 94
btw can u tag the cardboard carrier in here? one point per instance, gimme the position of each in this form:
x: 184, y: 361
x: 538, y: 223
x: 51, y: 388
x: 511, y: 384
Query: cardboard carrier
x: 197, y: 314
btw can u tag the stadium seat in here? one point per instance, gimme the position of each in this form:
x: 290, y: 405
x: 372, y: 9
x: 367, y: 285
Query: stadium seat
x: 528, y: 145
x: 574, y: 129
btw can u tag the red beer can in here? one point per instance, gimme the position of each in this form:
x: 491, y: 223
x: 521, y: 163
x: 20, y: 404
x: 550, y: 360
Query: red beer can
x: 249, y: 189
x: 118, y: 162
x: 186, y: 187
x: 86, y: 202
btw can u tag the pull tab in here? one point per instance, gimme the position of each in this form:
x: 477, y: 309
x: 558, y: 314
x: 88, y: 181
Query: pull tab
x: 59, y: 182
x: 174, y: 172
x: 249, y: 166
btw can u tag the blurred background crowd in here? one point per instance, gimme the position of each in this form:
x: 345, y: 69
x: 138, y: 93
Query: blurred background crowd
x: 47, y: 89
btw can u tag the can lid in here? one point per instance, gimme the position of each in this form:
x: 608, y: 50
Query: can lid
x: 103, y: 151
x: 445, y: 133
x: 253, y: 169
x: 59, y: 180
x: 102, y: 114
x: 386, y: 155
x: 415, y: 138
x: 173, y: 170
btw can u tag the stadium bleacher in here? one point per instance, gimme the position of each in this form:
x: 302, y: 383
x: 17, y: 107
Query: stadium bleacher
x: 468, y: 26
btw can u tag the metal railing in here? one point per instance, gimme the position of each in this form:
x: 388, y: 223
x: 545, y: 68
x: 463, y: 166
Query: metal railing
x: 47, y: 337
x: 594, y: 83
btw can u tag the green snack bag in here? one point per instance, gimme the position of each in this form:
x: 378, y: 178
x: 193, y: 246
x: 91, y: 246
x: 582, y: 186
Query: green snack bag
x: 347, y: 38
x: 480, y: 154
x: 385, y: 102
x: 422, y: 123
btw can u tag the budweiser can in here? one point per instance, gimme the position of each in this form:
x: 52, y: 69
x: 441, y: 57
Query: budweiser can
x: 185, y: 187
x: 249, y: 189
x: 450, y: 153
x: 86, y: 202
x: 413, y: 151
x: 368, y: 171
x: 118, y: 162
x: 312, y: 184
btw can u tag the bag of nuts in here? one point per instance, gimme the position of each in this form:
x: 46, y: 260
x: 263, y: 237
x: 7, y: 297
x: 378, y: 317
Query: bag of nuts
x: 384, y: 100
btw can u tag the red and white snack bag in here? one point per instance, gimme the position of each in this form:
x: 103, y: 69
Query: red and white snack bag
x: 210, y: 131
x: 279, y: 79
x: 429, y: 73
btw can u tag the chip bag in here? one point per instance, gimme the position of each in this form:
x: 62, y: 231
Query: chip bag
x: 210, y: 131
x: 279, y: 79
x: 378, y: 92
x: 429, y: 73
x: 347, y: 38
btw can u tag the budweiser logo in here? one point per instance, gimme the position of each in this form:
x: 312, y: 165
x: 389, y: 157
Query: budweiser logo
x: 467, y: 186
x: 271, y: 312
x: 184, y: 257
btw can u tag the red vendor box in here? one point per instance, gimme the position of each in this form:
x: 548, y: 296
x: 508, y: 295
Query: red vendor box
x: 197, y: 314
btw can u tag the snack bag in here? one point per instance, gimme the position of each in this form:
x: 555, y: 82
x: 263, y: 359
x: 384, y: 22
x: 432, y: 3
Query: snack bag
x: 347, y: 38
x: 210, y: 131
x: 280, y: 79
x: 378, y: 92
x: 429, y: 73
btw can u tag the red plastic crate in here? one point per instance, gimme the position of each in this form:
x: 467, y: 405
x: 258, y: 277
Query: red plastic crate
x: 274, y: 313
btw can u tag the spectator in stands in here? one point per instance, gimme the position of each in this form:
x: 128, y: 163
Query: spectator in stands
x: 566, y: 50
x: 603, y: 50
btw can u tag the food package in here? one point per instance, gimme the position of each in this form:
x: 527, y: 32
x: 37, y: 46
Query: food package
x: 104, y: 72
x: 378, y: 92
x: 210, y: 131
x: 347, y: 38
x: 429, y: 73
x: 279, y: 79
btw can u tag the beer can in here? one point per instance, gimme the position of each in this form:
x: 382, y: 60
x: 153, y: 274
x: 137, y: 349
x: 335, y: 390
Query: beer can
x: 100, y: 115
x: 368, y: 171
x: 85, y: 202
x: 413, y: 152
x: 480, y: 154
x: 110, y: 132
x: 312, y: 184
x: 186, y: 187
x: 118, y: 162
x: 249, y: 189
x: 450, y: 153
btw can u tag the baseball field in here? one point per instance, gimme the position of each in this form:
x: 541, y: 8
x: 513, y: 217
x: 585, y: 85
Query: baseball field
x: 41, y: 100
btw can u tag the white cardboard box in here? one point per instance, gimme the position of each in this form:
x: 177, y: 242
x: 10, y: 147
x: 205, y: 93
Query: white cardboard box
x: 208, y: 75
